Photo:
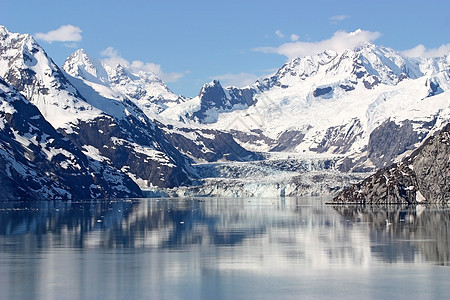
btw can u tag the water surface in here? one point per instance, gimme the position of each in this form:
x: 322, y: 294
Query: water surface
x: 210, y: 248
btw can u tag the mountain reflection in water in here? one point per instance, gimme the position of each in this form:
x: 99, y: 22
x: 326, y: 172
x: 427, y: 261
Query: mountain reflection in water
x: 164, y: 248
x: 396, y: 231
x: 388, y: 233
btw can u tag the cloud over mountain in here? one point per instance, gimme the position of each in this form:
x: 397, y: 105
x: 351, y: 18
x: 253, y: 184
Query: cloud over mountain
x: 113, y: 58
x: 421, y: 51
x: 65, y: 33
x: 340, y: 41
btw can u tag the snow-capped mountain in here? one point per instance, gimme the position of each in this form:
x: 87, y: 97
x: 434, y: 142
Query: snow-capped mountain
x: 214, y: 99
x: 368, y: 63
x: 108, y: 128
x: 368, y: 105
x: 26, y: 66
x: 361, y: 109
x: 145, y: 89
x: 37, y: 162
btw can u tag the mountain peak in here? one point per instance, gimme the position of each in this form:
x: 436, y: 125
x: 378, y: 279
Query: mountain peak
x: 214, y: 83
x: 4, y: 31
x: 208, y: 87
x: 80, y: 53
x: 367, y: 63
x: 80, y: 56
x: 81, y: 64
x: 15, y: 39
x: 357, y: 31
x: 366, y: 45
x: 25, y: 65
x: 145, y: 88
x: 121, y: 75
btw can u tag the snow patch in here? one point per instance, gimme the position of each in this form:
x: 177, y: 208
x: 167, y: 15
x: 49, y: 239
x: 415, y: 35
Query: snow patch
x: 419, y: 197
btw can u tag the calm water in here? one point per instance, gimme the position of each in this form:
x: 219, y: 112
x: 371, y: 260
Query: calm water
x: 210, y: 248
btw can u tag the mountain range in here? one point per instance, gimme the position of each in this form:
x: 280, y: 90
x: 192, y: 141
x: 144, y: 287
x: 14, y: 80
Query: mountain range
x: 91, y: 130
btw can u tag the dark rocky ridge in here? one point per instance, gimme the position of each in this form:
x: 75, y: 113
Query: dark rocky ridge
x: 422, y: 177
x: 389, y: 140
x: 120, y: 141
x: 340, y: 138
x: 214, y: 98
x: 288, y: 140
x: 208, y: 145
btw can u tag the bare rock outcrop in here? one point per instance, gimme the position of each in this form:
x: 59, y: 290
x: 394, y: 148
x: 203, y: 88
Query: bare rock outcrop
x: 422, y: 177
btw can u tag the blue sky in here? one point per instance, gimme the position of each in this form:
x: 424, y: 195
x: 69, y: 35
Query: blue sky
x: 189, y: 43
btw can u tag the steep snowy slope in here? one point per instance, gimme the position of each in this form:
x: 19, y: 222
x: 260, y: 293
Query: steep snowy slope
x: 26, y: 66
x: 145, y: 89
x: 37, y: 162
x: 108, y: 129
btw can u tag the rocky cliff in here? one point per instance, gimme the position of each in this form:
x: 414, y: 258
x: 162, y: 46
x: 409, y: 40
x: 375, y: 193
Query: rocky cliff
x: 422, y: 177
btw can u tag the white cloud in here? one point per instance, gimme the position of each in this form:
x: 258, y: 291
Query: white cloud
x: 237, y: 80
x: 113, y: 59
x: 339, y: 18
x: 279, y: 34
x: 294, y: 37
x: 65, y: 33
x: 421, y: 51
x: 339, y: 42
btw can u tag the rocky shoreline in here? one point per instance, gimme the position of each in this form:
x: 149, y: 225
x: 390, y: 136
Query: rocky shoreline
x: 423, y: 177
